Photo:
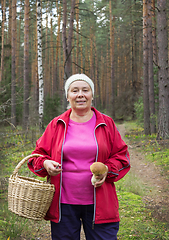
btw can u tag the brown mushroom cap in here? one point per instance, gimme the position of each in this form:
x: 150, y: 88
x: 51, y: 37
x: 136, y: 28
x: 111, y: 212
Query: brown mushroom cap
x: 98, y: 168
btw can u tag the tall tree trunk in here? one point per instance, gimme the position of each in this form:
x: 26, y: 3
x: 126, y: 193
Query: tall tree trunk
x: 101, y: 81
x: 26, y: 66
x: 57, y: 76
x: 73, y: 56
x: 77, y: 36
x: 108, y: 77
x: 154, y: 42
x: 97, y: 83
x: 67, y: 42
x: 52, y: 57
x: 91, y: 54
x: 145, y: 71
x: 46, y: 66
x: 13, y: 77
x: 34, y: 67
x: 3, y: 5
x: 40, y: 68
x: 151, y: 71
x: 18, y: 40
x: 81, y: 56
x: 118, y: 64
x: 10, y: 24
x: 112, y: 59
x: 163, y: 118
x: 133, y: 60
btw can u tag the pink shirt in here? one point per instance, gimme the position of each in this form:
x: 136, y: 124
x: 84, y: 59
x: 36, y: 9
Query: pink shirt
x: 79, y: 152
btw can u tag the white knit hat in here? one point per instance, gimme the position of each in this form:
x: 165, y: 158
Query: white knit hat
x: 77, y: 77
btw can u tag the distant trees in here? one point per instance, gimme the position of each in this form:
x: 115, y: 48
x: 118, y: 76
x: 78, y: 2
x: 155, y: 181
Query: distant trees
x: 113, y: 42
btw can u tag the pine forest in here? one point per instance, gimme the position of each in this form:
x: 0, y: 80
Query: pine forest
x: 121, y: 45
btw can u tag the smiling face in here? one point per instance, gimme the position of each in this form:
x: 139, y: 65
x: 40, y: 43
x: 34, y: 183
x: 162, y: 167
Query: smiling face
x: 80, y: 95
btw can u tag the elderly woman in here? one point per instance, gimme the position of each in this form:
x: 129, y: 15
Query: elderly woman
x: 71, y: 143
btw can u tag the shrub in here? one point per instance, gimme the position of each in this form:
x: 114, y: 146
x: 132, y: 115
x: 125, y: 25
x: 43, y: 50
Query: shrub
x: 51, y: 108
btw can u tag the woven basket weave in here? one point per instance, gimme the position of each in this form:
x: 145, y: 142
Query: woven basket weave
x: 29, y: 197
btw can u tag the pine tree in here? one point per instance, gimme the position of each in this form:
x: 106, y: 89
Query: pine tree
x: 163, y: 117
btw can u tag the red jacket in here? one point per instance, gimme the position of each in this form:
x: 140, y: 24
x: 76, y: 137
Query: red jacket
x: 111, y: 150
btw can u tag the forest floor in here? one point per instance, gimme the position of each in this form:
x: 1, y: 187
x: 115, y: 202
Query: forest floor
x: 149, y: 175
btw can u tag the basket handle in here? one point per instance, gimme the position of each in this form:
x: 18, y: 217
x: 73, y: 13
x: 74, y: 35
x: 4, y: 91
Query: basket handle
x: 23, y: 161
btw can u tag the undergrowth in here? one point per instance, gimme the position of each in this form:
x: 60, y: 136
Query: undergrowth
x: 156, y: 151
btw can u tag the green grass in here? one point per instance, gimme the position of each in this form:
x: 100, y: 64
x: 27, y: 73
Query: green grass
x: 131, y: 183
x: 154, y: 151
x: 17, y: 228
x: 137, y: 222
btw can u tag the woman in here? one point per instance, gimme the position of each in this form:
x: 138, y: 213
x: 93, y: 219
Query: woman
x: 70, y: 144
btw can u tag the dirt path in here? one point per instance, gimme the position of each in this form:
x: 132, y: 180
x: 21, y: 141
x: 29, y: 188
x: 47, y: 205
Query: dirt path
x: 157, y: 197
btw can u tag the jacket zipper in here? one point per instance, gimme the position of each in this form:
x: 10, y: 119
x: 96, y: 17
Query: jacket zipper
x: 61, y: 172
x: 94, y: 214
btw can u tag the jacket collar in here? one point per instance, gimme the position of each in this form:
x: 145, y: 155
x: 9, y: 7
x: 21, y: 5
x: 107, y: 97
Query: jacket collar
x: 99, y: 117
x: 65, y: 117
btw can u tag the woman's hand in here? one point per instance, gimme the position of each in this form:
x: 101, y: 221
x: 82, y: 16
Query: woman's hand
x: 101, y: 179
x: 53, y: 168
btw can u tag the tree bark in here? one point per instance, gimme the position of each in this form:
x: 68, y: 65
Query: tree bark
x: 112, y: 59
x: 145, y: 71
x: 13, y: 77
x: 154, y: 42
x: 3, y: 4
x: 26, y: 66
x: 67, y: 42
x: 163, y: 118
x: 77, y: 36
x: 56, y: 79
x: 52, y: 59
x: 151, y: 71
x: 46, y: 60
x: 40, y: 68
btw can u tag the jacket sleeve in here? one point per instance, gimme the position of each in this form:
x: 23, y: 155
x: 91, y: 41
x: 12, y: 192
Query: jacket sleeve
x: 43, y: 147
x: 119, y: 160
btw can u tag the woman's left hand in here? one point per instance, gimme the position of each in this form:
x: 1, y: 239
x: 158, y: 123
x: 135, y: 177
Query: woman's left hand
x: 101, y: 179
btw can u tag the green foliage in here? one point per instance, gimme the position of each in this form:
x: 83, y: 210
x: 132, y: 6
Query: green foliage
x: 136, y: 221
x: 158, y: 153
x: 14, y: 225
x: 127, y: 184
x: 5, y: 103
x: 5, y: 107
x: 51, y: 109
x: 155, y: 150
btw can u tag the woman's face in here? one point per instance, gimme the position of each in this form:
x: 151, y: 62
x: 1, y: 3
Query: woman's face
x: 80, y: 95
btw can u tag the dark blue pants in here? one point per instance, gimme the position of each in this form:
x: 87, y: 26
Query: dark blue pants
x: 70, y: 225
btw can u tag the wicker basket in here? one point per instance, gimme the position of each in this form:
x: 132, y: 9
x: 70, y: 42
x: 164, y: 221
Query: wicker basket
x: 29, y: 197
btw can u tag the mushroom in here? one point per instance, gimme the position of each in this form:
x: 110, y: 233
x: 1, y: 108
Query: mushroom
x: 97, y: 168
